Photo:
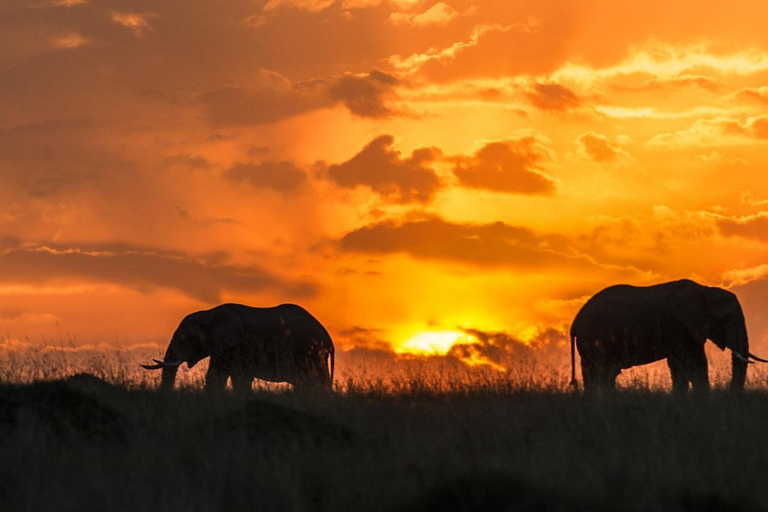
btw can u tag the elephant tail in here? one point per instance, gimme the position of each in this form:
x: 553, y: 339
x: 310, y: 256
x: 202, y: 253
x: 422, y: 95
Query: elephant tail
x: 573, y: 362
x: 333, y: 362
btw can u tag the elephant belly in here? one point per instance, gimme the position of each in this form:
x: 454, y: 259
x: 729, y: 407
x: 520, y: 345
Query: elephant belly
x: 273, y: 375
x: 623, y: 350
x: 641, y: 357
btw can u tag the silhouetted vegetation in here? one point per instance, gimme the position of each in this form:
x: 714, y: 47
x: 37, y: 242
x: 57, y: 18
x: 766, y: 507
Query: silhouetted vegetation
x: 83, y: 444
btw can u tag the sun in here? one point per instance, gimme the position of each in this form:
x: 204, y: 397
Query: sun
x: 434, y: 342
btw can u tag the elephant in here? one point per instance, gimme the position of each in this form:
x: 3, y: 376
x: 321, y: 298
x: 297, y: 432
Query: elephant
x: 284, y: 343
x: 624, y: 326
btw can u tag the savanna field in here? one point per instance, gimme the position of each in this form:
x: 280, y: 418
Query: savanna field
x: 436, y: 196
x: 88, y: 431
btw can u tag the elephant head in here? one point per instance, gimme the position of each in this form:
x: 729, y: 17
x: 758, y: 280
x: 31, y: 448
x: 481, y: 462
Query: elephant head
x: 715, y: 314
x: 189, y: 344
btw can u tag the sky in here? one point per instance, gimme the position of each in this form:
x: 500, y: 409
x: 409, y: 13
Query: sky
x: 414, y: 173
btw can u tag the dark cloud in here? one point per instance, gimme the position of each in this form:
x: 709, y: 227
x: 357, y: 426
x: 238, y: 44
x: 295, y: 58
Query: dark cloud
x: 383, y: 170
x: 278, y: 176
x: 503, y: 349
x: 364, y: 95
x: 507, y: 166
x: 754, y: 227
x: 189, y: 161
x: 263, y: 105
x: 273, y: 98
x: 496, y: 245
x: 139, y: 268
x: 365, y: 337
x: 553, y: 97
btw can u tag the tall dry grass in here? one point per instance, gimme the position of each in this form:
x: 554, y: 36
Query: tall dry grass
x: 399, y: 435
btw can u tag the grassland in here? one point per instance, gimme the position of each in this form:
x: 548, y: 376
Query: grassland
x: 418, y: 441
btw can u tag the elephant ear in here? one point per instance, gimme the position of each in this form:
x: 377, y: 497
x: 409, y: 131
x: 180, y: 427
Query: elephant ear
x: 722, y: 303
x: 691, y: 310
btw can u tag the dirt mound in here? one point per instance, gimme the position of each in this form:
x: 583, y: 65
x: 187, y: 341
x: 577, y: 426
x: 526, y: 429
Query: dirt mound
x: 62, y: 408
x: 260, y: 419
x: 492, y: 491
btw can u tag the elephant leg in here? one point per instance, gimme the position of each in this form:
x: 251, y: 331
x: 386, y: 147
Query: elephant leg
x: 699, y: 371
x: 242, y: 384
x: 599, y: 376
x: 216, y: 378
x: 679, y: 375
x: 323, y: 375
x: 609, y: 380
x: 589, y: 376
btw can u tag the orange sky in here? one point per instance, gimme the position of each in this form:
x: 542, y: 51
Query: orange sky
x: 395, y: 166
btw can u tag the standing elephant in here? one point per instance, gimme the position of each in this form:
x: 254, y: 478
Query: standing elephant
x: 624, y: 326
x: 280, y: 344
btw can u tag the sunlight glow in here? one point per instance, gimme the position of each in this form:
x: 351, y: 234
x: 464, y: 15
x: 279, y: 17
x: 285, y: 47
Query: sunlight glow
x: 434, y: 342
x: 467, y: 347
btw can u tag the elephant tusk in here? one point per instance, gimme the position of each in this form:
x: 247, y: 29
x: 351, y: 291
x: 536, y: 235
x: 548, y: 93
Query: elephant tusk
x: 757, y: 358
x: 741, y: 357
x: 161, y: 364
x: 166, y: 364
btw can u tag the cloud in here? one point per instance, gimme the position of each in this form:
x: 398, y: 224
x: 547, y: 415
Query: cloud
x: 671, y: 83
x: 304, y: 5
x: 507, y: 166
x: 684, y: 80
x: 439, y: 14
x: 137, y: 23
x: 445, y: 56
x: 501, y: 349
x: 58, y: 156
x: 718, y: 131
x: 366, y: 337
x: 277, y: 176
x: 488, y: 245
x: 136, y: 267
x: 752, y: 94
x: 598, y: 148
x: 70, y: 41
x: 273, y: 98
x: 753, y: 227
x: 553, y: 97
x: 188, y: 160
x: 364, y: 95
x: 751, y: 287
x: 383, y: 170
x: 744, y: 275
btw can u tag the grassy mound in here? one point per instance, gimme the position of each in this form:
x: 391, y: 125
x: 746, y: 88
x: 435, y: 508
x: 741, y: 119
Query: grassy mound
x: 81, y: 443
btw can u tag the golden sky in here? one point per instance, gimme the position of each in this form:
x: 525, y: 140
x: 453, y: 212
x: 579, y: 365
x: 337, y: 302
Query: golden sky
x: 398, y: 167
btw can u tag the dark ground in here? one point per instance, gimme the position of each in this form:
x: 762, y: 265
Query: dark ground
x: 83, y: 444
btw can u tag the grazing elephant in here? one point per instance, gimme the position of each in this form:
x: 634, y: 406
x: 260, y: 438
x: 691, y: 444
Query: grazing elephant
x: 624, y: 326
x: 280, y: 344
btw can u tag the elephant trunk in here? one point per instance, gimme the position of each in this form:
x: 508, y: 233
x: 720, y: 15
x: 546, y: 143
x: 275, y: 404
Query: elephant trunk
x: 169, y: 378
x: 169, y: 371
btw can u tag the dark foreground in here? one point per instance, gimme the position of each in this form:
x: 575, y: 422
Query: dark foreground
x: 82, y: 444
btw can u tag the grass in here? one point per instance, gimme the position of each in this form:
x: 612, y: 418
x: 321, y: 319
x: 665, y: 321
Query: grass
x: 427, y: 438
